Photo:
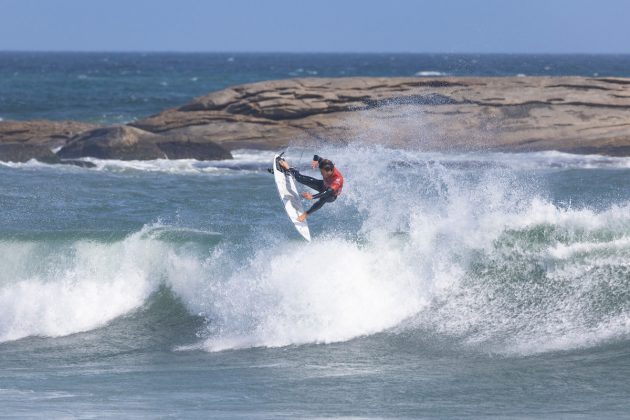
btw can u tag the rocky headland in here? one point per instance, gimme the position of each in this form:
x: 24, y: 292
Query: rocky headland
x: 570, y: 114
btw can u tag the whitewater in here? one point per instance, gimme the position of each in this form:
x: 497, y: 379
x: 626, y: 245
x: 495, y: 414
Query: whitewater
x: 442, y: 285
x: 466, y: 247
x: 431, y: 268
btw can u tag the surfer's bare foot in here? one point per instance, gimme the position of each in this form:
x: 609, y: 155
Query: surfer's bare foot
x: 307, y: 195
x: 283, y: 164
x: 302, y: 217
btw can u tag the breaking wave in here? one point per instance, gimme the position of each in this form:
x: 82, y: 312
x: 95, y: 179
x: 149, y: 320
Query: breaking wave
x: 465, y: 247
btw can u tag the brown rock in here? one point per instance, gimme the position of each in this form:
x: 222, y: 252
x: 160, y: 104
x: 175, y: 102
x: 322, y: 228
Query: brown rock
x: 574, y: 114
x: 119, y: 142
x: 20, y: 152
x: 130, y: 143
x: 53, y: 134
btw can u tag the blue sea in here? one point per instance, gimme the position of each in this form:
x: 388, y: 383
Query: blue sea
x: 444, y: 285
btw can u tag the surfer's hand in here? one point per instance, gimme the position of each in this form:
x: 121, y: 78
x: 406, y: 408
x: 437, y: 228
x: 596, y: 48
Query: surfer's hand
x: 302, y: 217
x: 314, y: 164
x: 283, y: 164
x: 307, y: 195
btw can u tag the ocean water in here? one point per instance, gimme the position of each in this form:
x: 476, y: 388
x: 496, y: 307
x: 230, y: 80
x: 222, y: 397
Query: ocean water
x: 114, y: 88
x: 437, y: 285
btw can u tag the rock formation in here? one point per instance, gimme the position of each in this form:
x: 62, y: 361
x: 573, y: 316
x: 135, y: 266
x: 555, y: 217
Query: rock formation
x: 52, y: 134
x: 571, y: 114
x: 130, y: 143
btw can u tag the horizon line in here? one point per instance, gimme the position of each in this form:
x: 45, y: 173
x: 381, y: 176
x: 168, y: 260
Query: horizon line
x: 70, y: 51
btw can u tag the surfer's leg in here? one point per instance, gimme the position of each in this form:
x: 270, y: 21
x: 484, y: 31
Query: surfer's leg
x: 319, y: 203
x: 316, y: 184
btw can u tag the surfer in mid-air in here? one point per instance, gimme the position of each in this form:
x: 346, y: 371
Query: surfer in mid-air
x: 328, y: 188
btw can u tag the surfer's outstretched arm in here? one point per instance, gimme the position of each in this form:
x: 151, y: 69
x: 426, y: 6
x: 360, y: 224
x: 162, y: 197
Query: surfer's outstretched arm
x: 325, y: 195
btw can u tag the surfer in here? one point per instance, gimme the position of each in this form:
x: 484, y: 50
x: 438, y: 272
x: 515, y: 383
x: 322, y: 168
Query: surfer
x: 328, y: 188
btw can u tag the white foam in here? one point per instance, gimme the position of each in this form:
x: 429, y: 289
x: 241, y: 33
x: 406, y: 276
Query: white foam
x: 565, y: 251
x: 455, y: 252
x: 62, y: 307
x: 255, y: 160
x: 30, y: 164
x: 64, y: 289
x: 244, y: 160
x: 454, y: 221
x: 430, y: 73
x: 526, y: 161
x: 331, y: 290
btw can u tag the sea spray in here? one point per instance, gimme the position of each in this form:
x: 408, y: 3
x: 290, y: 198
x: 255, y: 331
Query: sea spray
x: 331, y: 290
x: 462, y: 253
x: 473, y: 247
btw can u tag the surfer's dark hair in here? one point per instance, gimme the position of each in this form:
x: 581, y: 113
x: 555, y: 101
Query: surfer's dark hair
x: 326, y: 164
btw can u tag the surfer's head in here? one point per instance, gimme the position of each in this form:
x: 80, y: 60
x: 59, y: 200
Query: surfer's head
x: 326, y: 167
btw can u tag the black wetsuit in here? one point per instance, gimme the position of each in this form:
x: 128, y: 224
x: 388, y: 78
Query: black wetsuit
x: 325, y: 195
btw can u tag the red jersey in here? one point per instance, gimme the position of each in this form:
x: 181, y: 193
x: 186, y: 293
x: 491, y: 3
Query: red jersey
x: 334, y: 181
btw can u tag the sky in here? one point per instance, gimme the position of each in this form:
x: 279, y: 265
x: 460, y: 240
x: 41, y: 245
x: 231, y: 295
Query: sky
x: 393, y: 26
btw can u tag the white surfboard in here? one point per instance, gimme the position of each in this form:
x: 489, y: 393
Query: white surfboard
x: 291, y: 199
